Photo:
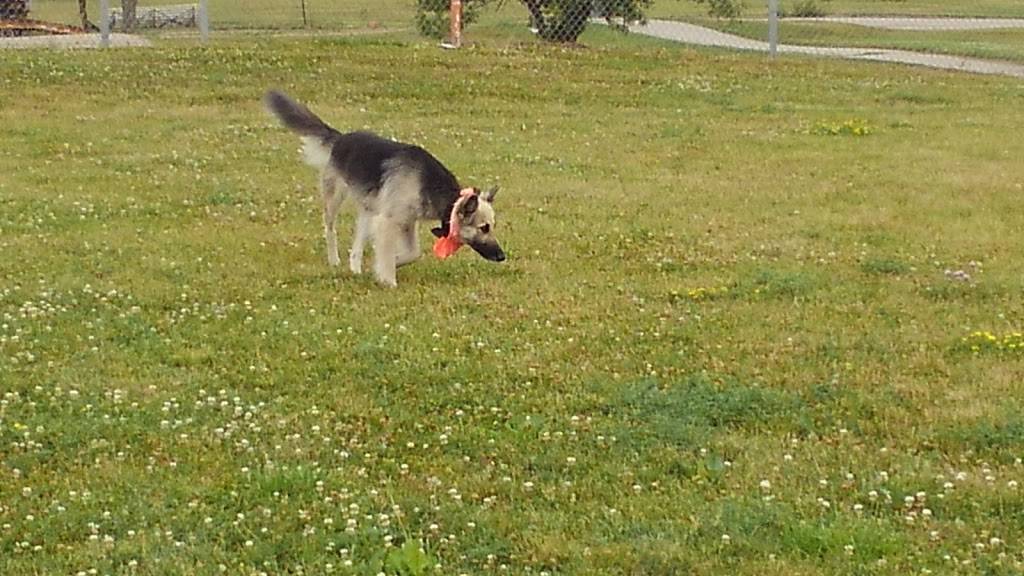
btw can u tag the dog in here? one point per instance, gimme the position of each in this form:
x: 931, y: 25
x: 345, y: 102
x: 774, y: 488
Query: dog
x: 394, y: 185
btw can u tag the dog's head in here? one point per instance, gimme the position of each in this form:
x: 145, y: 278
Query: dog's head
x: 475, y: 217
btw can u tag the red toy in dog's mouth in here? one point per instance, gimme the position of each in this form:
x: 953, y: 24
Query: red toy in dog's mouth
x: 450, y: 244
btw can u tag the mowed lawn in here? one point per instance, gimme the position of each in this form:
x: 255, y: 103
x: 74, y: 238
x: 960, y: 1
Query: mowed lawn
x: 996, y: 44
x: 758, y: 318
x: 1004, y: 44
x: 918, y: 8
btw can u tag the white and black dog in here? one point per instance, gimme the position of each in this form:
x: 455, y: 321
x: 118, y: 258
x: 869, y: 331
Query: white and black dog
x: 394, y: 185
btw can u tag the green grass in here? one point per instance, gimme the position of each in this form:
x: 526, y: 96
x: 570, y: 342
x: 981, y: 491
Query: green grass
x: 934, y: 8
x: 724, y: 342
x: 231, y: 14
x: 1001, y: 44
x: 273, y: 14
x: 507, y: 23
x: 1004, y: 44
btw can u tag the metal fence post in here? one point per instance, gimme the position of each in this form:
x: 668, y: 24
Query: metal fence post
x: 773, y: 27
x: 105, y: 23
x: 204, y: 21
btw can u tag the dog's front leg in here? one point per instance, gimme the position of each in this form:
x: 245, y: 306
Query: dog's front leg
x: 386, y: 234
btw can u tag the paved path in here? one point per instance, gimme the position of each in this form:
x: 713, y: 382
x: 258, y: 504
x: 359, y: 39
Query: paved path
x: 701, y: 36
x: 919, y: 24
x: 71, y: 41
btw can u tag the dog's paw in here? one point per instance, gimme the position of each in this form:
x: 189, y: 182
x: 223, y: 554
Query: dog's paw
x: 355, y: 264
x: 387, y: 282
x: 333, y: 261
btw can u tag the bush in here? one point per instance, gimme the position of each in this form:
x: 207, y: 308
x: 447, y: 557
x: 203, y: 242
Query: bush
x: 561, y: 20
x: 556, y: 20
x: 432, y: 16
x: 723, y: 8
x: 806, y: 9
x: 565, y: 20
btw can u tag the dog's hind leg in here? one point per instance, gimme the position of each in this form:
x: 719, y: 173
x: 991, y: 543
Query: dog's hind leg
x: 364, y: 220
x: 386, y: 236
x: 333, y: 197
x: 410, y: 246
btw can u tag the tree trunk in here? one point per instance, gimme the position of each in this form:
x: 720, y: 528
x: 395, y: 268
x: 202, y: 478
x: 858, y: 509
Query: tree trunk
x: 536, y: 16
x: 128, y: 13
x: 567, y: 18
x: 83, y: 13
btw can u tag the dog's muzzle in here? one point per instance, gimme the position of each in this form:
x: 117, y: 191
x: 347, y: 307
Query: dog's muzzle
x: 491, y: 252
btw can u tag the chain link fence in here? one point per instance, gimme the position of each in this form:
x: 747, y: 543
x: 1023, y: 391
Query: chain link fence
x: 150, y: 15
x: 982, y: 29
x: 972, y: 29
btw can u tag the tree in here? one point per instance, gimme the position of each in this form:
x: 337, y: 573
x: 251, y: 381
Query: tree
x: 83, y: 13
x: 565, y: 20
x: 557, y: 20
x: 128, y: 14
x: 723, y: 8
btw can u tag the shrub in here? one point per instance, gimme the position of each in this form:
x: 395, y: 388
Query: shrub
x: 432, y: 16
x: 565, y: 20
x: 806, y: 9
x: 723, y: 8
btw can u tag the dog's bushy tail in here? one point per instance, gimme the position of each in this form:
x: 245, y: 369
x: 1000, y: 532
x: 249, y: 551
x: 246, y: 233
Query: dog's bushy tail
x: 297, y: 117
x: 317, y: 136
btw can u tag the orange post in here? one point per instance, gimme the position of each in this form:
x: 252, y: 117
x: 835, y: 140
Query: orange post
x: 455, y: 34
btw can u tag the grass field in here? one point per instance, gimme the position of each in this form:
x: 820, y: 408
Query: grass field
x: 1004, y: 44
x: 507, y: 23
x: 338, y: 14
x: 933, y: 8
x: 1001, y: 44
x: 758, y: 318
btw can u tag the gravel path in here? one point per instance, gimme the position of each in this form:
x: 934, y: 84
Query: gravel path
x: 920, y: 24
x: 71, y: 41
x: 701, y: 36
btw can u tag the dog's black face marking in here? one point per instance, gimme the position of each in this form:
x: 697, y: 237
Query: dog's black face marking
x: 440, y: 231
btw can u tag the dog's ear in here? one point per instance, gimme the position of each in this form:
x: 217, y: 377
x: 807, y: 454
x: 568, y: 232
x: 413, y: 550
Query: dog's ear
x: 490, y: 194
x: 469, y: 205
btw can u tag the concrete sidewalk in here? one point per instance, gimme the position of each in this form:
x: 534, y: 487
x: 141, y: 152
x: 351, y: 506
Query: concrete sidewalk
x: 701, y: 36
x: 919, y: 24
